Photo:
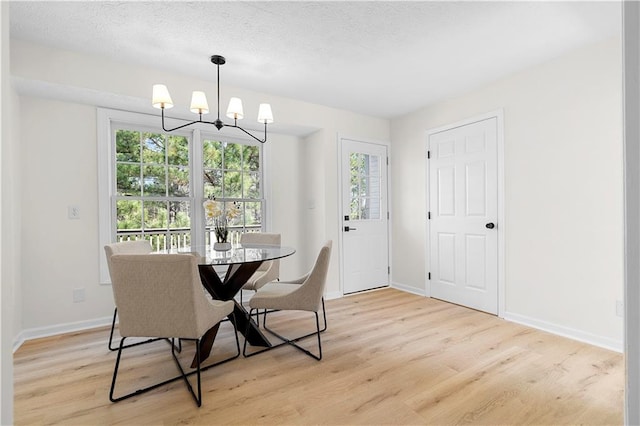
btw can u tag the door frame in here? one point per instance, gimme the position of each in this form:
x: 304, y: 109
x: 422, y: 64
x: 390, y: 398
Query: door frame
x: 386, y: 144
x: 499, y: 116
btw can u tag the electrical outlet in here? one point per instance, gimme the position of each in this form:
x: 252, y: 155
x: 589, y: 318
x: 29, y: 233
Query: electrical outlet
x: 78, y: 295
x: 619, y: 308
x: 73, y: 212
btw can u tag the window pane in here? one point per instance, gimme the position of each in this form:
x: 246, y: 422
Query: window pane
x: 251, y: 185
x: 178, y: 182
x: 355, y: 209
x: 233, y: 157
x: 179, y: 215
x: 232, y: 185
x: 251, y: 158
x: 129, y: 214
x: 155, y: 216
x: 127, y: 145
x: 153, y: 148
x: 253, y: 213
x: 370, y: 208
x: 233, y: 212
x: 154, y: 181
x: 213, y: 183
x: 128, y: 179
x: 212, y: 154
x: 178, y: 152
x: 365, y: 186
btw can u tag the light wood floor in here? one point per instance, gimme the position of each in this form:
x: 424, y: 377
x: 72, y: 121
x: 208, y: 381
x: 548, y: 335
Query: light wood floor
x: 389, y: 358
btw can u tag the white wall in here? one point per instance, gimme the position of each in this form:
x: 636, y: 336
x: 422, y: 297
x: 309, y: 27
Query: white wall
x: 58, y: 139
x: 563, y: 191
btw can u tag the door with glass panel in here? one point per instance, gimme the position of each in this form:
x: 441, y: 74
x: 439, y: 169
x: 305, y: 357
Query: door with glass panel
x: 365, y: 238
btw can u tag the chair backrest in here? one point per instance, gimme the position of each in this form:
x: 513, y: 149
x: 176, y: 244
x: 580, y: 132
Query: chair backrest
x: 126, y: 247
x: 309, y: 295
x: 267, y: 239
x: 159, y: 295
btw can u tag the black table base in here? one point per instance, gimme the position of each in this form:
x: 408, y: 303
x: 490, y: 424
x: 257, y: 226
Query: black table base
x: 236, y: 277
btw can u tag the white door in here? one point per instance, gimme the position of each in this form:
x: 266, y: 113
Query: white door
x: 365, y: 240
x: 463, y: 211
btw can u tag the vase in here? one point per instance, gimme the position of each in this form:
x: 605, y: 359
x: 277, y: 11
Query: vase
x: 222, y: 246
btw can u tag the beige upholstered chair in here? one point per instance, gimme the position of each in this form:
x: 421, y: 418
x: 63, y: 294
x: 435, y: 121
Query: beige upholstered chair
x: 268, y: 271
x: 160, y: 295
x: 124, y: 247
x: 303, y: 294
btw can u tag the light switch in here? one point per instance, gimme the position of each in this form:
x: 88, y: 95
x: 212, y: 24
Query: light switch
x: 73, y: 212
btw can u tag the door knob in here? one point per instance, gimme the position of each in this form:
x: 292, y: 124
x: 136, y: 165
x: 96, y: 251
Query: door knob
x: 490, y: 225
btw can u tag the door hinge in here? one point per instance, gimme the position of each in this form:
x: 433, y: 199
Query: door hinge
x: 387, y: 215
x: 428, y: 155
x: 428, y: 215
x: 429, y: 276
x: 387, y: 161
x: 388, y: 270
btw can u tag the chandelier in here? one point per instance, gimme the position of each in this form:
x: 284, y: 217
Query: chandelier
x: 199, y: 105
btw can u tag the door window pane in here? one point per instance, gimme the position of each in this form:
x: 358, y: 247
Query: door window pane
x: 365, y: 180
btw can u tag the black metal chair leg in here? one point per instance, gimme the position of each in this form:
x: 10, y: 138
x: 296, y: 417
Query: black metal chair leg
x: 292, y: 342
x: 197, y: 396
x: 113, y: 326
x: 183, y: 375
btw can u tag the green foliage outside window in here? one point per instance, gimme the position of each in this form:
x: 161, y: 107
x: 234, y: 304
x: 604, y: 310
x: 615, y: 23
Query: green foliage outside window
x: 151, y: 165
x: 153, y: 197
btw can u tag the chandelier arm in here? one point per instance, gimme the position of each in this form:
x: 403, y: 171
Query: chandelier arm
x: 254, y: 137
x: 176, y: 128
x: 215, y: 123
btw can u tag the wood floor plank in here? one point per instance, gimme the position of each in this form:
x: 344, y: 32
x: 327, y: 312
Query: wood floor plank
x: 389, y: 358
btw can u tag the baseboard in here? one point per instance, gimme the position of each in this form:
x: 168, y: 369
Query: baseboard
x: 70, y: 327
x: 408, y: 289
x: 332, y: 295
x: 571, y: 333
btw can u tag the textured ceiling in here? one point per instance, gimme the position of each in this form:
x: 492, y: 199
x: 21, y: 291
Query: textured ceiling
x: 378, y: 58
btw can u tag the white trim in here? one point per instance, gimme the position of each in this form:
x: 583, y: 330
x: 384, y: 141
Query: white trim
x: 265, y: 183
x: 631, y: 128
x: 54, y: 330
x: 427, y: 239
x: 409, y: 289
x: 387, y: 144
x: 499, y: 116
x: 333, y: 295
x: 104, y: 191
x: 560, y: 330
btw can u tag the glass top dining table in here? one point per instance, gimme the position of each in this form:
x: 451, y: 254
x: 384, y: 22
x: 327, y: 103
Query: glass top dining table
x: 242, y: 261
x: 241, y: 253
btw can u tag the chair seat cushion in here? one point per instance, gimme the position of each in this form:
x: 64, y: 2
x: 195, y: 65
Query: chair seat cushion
x: 276, y: 295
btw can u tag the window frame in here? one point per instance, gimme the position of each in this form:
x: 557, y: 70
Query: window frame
x: 108, y: 122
